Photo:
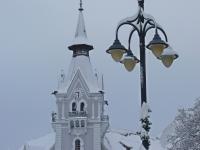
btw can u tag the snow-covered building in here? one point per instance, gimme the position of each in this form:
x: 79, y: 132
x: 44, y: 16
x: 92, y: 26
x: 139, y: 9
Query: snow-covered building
x: 80, y: 122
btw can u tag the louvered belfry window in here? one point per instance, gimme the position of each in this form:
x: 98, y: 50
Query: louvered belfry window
x: 73, y: 106
x: 82, y: 107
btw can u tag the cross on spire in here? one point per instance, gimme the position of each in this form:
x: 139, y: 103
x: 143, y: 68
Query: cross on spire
x: 81, y: 5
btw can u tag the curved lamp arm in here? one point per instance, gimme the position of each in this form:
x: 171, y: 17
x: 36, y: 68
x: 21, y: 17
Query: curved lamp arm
x: 158, y: 28
x: 129, y: 39
x: 127, y: 23
x: 150, y: 18
x: 149, y: 22
x: 130, y: 19
x: 153, y: 24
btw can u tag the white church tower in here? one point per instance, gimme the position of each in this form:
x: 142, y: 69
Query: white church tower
x: 80, y: 123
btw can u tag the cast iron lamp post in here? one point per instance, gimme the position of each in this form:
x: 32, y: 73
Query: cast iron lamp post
x: 141, y: 23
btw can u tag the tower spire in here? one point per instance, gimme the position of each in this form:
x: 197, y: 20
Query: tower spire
x: 80, y: 45
x: 81, y: 5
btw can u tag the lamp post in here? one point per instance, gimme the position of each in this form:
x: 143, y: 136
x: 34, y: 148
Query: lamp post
x: 141, y: 23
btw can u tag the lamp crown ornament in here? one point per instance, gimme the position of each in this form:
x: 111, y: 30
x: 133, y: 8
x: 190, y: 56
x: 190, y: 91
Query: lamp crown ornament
x: 141, y: 3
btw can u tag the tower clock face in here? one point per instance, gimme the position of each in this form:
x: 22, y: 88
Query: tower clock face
x: 78, y: 95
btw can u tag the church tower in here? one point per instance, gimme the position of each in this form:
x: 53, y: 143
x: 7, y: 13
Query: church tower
x: 80, y: 122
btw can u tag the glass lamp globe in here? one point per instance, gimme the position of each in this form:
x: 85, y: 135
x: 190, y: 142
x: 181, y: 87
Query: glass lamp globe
x: 129, y: 61
x: 168, y: 57
x: 157, y: 45
x: 116, y: 50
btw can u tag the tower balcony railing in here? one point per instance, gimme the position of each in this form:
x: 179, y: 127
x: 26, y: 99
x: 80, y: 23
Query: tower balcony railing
x: 78, y: 114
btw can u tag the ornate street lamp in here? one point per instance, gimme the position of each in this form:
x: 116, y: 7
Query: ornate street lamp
x: 141, y: 23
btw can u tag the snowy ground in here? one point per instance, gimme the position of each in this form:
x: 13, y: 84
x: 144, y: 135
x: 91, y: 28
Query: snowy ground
x: 114, y: 140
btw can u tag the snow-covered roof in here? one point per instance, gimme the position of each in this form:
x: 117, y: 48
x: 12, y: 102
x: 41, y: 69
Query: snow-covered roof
x: 113, y: 140
x: 83, y: 65
x: 81, y: 30
x: 44, y: 143
x: 81, y: 34
x: 80, y: 63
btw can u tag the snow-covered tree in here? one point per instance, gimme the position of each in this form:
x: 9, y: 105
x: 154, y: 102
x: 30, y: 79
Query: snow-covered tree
x: 187, y: 129
x: 145, y: 126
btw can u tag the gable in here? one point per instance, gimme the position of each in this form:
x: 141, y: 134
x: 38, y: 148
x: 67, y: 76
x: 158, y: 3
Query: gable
x: 78, y: 82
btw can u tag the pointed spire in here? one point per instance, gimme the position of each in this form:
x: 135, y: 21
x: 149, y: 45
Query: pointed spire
x: 81, y: 5
x: 80, y: 45
x: 81, y: 30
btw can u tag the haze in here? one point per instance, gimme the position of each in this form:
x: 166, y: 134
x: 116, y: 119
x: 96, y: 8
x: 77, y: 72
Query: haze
x: 34, y: 36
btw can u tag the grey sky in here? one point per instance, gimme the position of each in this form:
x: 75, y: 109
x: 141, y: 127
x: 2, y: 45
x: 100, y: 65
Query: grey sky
x: 34, y: 35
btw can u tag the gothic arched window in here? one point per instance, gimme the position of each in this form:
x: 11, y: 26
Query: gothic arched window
x: 73, y: 106
x: 77, y: 124
x: 72, y: 124
x: 82, y: 123
x: 77, y: 144
x: 82, y: 106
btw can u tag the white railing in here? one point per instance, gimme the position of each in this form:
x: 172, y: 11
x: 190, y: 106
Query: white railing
x: 78, y: 114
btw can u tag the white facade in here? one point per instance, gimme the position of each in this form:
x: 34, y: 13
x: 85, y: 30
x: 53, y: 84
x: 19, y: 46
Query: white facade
x: 79, y: 123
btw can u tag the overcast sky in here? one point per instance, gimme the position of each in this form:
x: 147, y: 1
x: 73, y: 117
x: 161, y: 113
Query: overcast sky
x: 34, y: 36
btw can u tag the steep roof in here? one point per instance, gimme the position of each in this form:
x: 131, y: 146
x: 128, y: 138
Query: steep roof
x: 80, y: 34
x: 80, y: 60
x: 82, y: 64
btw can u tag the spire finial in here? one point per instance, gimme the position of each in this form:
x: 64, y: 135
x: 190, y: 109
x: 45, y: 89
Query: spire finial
x: 81, y: 5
